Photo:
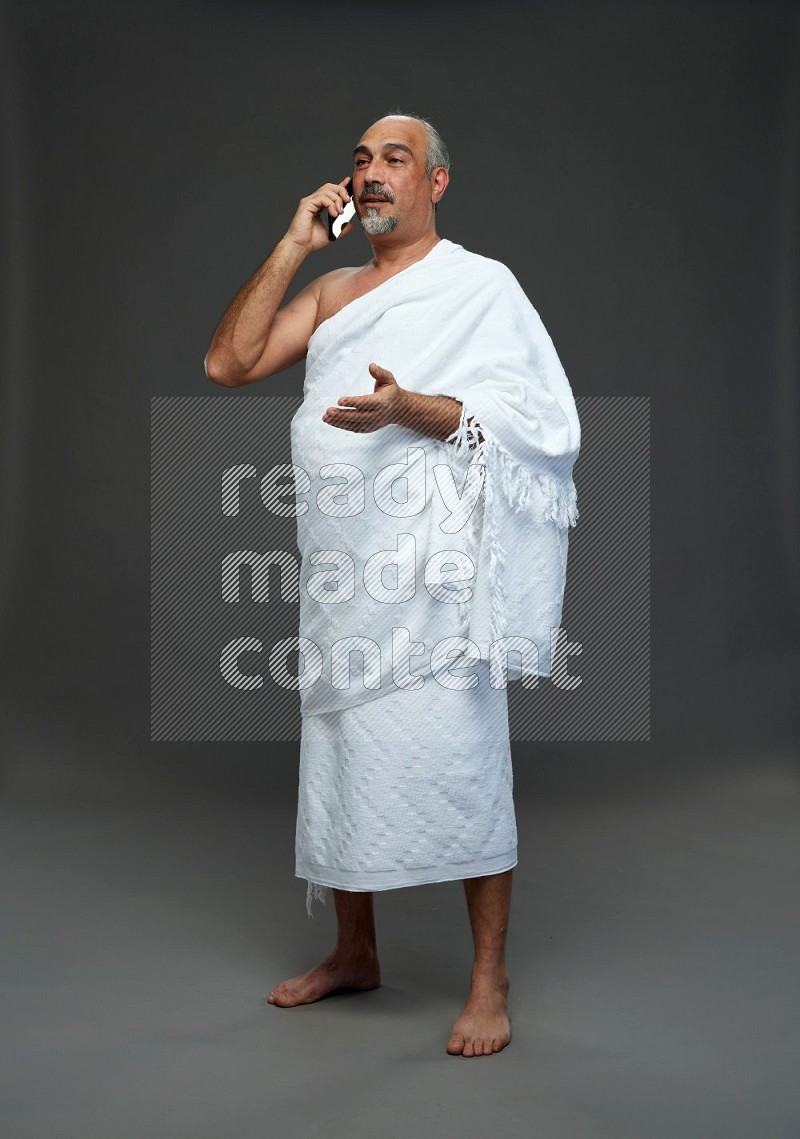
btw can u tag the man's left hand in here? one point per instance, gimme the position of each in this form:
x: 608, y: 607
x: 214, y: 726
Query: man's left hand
x: 369, y: 412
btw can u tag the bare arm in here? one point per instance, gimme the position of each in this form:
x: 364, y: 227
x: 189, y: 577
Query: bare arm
x: 434, y: 415
x: 437, y: 416
x: 254, y: 340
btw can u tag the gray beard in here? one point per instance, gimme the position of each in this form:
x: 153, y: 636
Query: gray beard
x: 374, y: 223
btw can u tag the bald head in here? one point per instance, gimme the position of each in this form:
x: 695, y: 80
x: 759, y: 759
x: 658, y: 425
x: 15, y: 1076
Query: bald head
x: 395, y: 188
x: 436, y: 153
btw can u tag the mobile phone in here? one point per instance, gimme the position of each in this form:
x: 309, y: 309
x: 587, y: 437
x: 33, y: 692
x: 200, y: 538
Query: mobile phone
x: 335, y: 225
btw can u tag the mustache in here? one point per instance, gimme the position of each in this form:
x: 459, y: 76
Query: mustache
x: 374, y: 190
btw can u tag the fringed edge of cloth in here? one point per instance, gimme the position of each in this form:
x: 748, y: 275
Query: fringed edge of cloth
x: 315, y: 891
x: 515, y: 483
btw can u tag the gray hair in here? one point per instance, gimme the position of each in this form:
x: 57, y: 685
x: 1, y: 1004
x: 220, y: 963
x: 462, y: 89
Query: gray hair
x: 436, y: 153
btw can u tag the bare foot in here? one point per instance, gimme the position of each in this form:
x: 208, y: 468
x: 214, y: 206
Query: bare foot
x: 335, y: 972
x: 484, y: 1026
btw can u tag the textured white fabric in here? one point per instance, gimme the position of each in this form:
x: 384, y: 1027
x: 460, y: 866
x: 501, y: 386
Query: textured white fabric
x: 398, y: 784
x: 412, y: 788
x: 452, y: 323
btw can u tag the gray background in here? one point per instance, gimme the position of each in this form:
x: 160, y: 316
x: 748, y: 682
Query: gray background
x: 636, y: 165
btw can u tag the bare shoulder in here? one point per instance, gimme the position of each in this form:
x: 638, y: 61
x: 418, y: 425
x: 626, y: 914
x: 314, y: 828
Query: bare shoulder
x: 301, y: 311
x: 335, y: 278
x: 336, y: 289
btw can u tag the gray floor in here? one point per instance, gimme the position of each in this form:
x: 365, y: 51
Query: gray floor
x: 653, y: 954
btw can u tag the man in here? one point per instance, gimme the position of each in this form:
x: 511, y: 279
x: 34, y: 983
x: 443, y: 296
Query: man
x: 405, y: 777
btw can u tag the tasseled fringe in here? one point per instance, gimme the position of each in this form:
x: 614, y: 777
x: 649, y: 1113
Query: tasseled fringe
x: 467, y: 437
x: 561, y: 499
x: 468, y: 440
x: 315, y: 891
x: 497, y: 555
x: 515, y: 483
x: 471, y: 534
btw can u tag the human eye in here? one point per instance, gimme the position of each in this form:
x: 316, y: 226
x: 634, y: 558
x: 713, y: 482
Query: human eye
x: 360, y: 160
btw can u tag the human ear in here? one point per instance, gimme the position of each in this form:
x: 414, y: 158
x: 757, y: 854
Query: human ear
x: 439, y: 181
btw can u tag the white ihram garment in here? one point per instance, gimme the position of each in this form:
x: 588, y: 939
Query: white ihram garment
x: 400, y: 787
x: 415, y: 787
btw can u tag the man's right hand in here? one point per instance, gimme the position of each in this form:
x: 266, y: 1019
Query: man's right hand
x: 254, y: 339
x: 309, y: 228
